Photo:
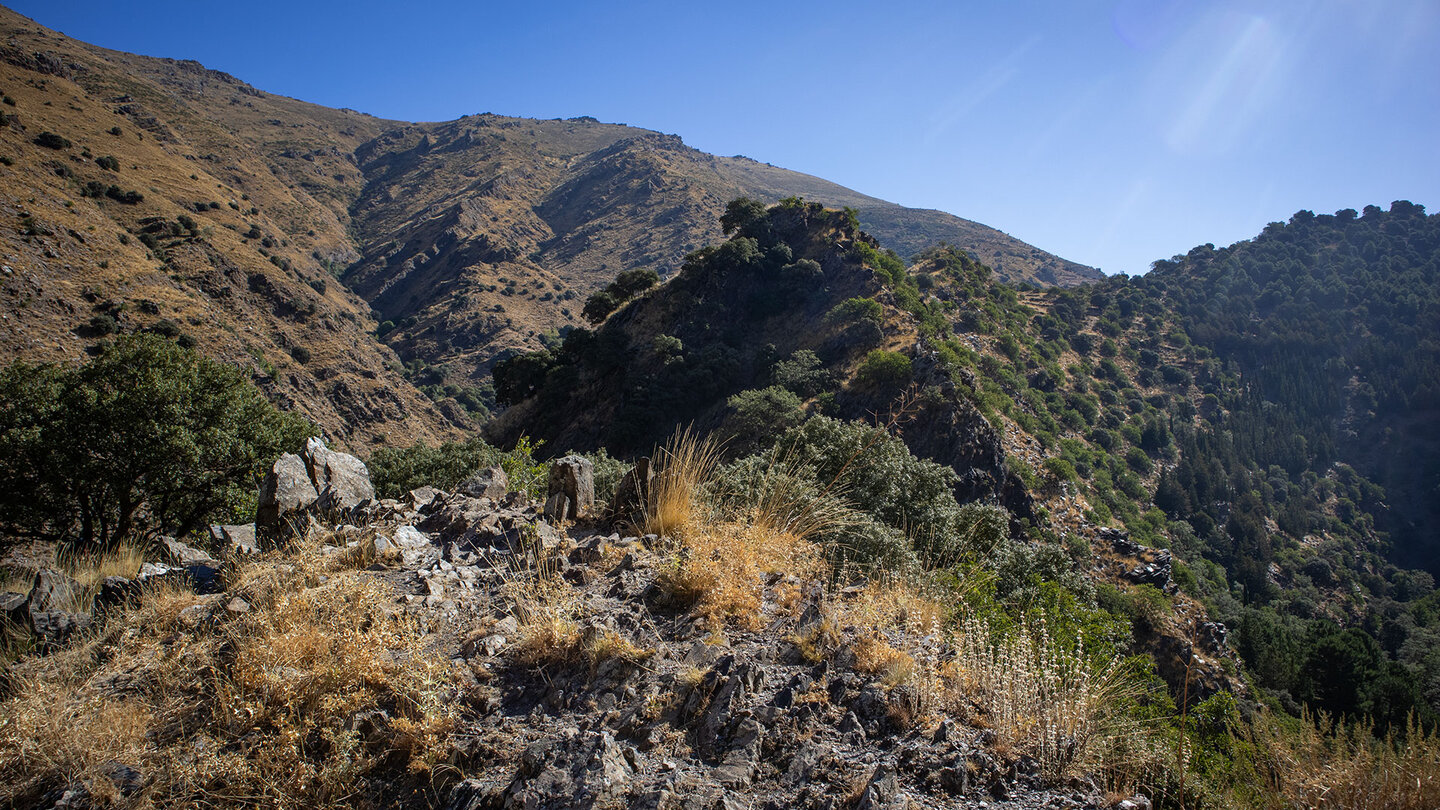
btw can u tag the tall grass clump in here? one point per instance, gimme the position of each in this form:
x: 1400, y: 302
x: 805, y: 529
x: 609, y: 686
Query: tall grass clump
x: 727, y: 539
x: 1318, y: 762
x: 683, y: 464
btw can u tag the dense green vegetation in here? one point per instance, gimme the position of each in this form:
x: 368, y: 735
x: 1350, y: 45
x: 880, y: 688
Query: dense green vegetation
x: 1277, y: 399
x: 738, y: 308
x: 395, y: 470
x: 146, y: 438
x: 1266, y: 411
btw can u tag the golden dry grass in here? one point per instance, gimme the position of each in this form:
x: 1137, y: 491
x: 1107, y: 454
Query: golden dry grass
x: 547, y: 610
x: 89, y: 570
x: 683, y: 465
x: 1318, y: 763
x: 276, y: 707
x: 721, y: 568
x: 874, y: 655
x: 719, y: 564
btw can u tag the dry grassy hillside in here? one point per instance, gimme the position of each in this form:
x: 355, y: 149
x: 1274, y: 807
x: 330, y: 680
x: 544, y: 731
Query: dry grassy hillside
x: 138, y: 194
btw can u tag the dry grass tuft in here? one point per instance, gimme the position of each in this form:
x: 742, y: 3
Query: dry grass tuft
x: 321, y: 548
x: 1040, y: 697
x: 817, y: 641
x: 721, y: 568
x: 610, y: 644
x: 684, y: 463
x: 13, y: 581
x: 544, y: 605
x: 296, y: 703
x: 91, y: 569
x: 896, y: 603
x: 1318, y: 763
x: 874, y: 655
x: 88, y: 569
x: 546, y: 608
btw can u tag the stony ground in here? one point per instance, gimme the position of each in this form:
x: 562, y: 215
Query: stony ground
x: 582, y: 670
x: 669, y: 712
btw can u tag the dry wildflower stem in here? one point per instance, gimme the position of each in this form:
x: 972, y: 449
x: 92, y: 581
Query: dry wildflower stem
x: 1040, y: 697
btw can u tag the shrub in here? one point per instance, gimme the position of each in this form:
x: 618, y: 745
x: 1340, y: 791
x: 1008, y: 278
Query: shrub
x: 627, y: 285
x: 124, y: 197
x: 854, y: 310
x: 599, y: 306
x: 761, y: 415
x: 1060, y: 469
x: 883, y: 369
x: 802, y: 374
x: 909, y: 512
x: 395, y: 471
x: 104, y: 324
x: 146, y: 438
x: 301, y: 354
x: 166, y: 328
x: 1138, y: 460
x: 50, y: 140
x: 108, y: 162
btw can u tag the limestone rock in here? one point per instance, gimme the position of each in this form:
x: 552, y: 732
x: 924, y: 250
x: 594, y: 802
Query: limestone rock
x: 286, y: 492
x: 321, y: 480
x: 491, y: 482
x: 183, y: 555
x: 236, y: 540
x: 632, y: 495
x: 574, y: 478
x: 12, y: 607
x: 342, y: 480
x: 53, y: 591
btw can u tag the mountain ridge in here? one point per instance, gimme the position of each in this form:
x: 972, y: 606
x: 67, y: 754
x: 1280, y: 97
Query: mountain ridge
x: 510, y: 222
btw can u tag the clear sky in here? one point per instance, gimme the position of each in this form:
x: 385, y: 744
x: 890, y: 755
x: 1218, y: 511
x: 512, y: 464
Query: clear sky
x: 1111, y: 133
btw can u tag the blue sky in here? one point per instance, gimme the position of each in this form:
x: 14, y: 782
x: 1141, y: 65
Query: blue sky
x: 1111, y: 133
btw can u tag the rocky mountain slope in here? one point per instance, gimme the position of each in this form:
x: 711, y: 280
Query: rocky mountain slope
x: 130, y: 204
x: 458, y: 242
x: 466, y: 652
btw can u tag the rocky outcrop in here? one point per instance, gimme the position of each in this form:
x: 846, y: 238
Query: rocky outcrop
x: 320, y: 481
x: 686, y: 718
x: 235, y: 540
x: 287, y: 490
x: 632, y: 495
x: 55, y: 609
x: 490, y: 483
x: 571, y: 491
